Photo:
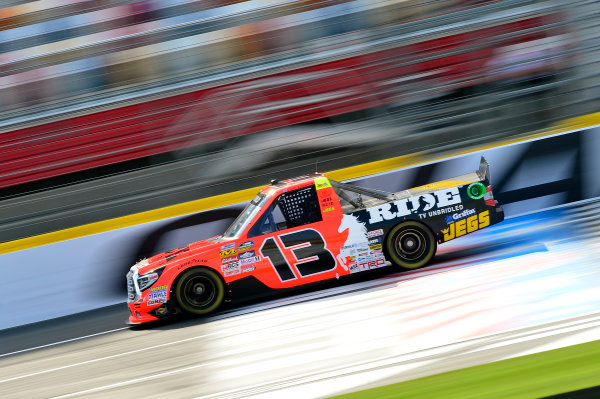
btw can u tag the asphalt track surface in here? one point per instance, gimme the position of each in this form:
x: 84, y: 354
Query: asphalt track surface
x: 529, y: 284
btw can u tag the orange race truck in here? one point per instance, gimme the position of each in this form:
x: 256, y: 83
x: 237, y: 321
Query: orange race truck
x: 306, y: 230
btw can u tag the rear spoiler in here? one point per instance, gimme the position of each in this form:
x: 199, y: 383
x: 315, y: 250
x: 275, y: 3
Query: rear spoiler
x: 484, y: 170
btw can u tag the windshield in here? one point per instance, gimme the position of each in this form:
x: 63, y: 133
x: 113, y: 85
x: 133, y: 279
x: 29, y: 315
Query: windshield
x: 246, y: 216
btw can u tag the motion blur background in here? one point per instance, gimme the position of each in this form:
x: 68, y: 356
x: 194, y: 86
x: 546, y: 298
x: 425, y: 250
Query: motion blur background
x: 111, y: 107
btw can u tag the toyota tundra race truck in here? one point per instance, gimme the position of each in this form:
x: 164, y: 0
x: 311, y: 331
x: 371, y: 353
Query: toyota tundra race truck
x: 306, y: 230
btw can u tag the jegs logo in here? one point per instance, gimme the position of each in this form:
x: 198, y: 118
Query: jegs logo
x: 412, y: 205
x: 468, y: 225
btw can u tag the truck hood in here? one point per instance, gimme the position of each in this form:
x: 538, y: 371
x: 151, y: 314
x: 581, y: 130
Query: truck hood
x: 195, y: 249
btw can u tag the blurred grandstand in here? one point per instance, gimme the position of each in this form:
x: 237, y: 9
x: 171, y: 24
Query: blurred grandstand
x: 109, y: 107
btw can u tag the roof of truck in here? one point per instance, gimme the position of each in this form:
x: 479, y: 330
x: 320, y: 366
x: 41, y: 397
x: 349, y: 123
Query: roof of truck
x: 295, y: 180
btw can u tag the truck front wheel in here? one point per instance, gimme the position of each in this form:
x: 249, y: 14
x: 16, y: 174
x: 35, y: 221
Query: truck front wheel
x: 199, y: 291
x: 410, y: 245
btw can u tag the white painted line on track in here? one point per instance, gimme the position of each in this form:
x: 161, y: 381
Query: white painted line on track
x: 129, y: 382
x: 62, y: 342
x: 106, y: 358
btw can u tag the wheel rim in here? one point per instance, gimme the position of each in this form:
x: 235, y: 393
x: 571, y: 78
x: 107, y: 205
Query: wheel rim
x: 410, y: 244
x: 199, y: 291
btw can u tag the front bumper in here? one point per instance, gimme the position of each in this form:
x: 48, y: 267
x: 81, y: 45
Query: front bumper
x: 148, y: 305
x: 140, y: 313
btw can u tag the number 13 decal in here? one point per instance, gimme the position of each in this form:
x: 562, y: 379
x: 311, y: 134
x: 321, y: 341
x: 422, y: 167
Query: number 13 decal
x: 309, y: 249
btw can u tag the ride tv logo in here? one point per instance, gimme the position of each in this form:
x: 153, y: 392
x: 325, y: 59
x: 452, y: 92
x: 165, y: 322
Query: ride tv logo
x: 414, y: 205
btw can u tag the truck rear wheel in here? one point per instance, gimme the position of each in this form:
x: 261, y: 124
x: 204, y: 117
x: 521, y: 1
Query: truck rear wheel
x: 410, y: 245
x: 199, y: 291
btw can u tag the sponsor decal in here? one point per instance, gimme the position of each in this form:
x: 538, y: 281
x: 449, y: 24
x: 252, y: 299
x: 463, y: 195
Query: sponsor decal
x: 321, y: 183
x: 476, y: 190
x: 468, y: 225
x: 331, y: 208
x: 246, y: 255
x: 327, y: 202
x: 364, y: 266
x: 249, y: 260
x: 159, y: 294
x: 232, y: 271
x: 156, y: 301
x: 347, y: 258
x: 443, y: 211
x: 161, y: 310
x: 230, y: 266
x: 455, y: 217
x: 228, y: 252
x: 245, y: 246
x: 375, y: 245
x: 361, y: 246
x: 414, y: 205
x: 372, y: 264
x: 189, y: 262
x: 228, y: 246
x: 229, y: 260
x: 248, y: 268
x: 376, y: 263
x: 374, y: 233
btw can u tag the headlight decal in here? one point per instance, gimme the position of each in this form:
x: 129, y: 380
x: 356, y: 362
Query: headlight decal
x: 145, y: 281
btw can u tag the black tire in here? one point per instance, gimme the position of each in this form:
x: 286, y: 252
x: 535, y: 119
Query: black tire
x: 410, y: 245
x: 199, y: 291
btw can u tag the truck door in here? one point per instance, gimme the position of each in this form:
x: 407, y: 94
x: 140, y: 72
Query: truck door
x: 295, y: 243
